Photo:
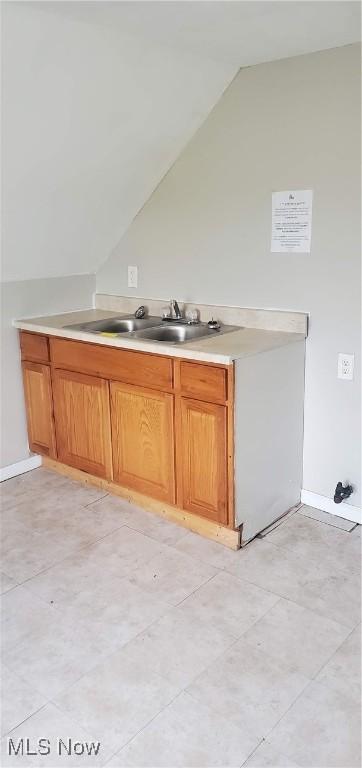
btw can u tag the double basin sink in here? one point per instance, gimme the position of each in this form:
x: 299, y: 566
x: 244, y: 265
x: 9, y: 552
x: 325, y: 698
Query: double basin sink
x: 152, y: 329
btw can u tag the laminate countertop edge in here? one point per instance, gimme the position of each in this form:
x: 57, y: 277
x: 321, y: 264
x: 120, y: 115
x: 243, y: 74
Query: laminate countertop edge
x: 223, y: 349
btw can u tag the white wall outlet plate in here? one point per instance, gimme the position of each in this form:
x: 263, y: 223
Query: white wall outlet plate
x: 132, y: 277
x: 345, y: 366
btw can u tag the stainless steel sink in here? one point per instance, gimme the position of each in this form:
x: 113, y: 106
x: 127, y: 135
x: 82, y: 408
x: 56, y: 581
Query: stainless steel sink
x: 178, y: 333
x: 116, y: 325
x: 151, y: 329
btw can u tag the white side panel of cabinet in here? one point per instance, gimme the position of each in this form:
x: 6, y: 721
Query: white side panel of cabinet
x: 269, y: 400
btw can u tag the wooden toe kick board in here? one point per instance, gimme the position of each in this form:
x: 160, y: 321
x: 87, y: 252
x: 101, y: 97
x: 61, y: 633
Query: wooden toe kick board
x: 228, y: 537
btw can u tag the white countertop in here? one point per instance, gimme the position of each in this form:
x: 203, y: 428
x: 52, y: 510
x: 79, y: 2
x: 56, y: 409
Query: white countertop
x: 218, y: 349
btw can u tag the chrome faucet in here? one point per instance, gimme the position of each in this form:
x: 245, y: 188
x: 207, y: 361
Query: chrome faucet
x: 175, y: 307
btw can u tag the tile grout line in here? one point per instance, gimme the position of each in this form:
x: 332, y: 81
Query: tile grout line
x: 54, y: 703
x: 220, y: 714
x: 219, y: 656
x: 326, y: 522
x: 253, y: 752
x: 95, y: 501
x: 337, y: 528
x: 89, y: 545
x: 169, y: 608
x: 7, y: 734
x: 310, y: 680
x: 278, y: 598
x: 299, y: 696
x: 244, y: 578
x: 102, y: 658
x: 74, y: 551
x: 118, y: 751
x: 277, y: 523
x: 214, y: 575
x: 331, y: 656
x: 313, y: 557
x: 107, y: 656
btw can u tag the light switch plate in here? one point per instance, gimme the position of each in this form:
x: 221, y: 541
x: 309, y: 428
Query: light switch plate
x: 132, y: 277
x: 345, y: 366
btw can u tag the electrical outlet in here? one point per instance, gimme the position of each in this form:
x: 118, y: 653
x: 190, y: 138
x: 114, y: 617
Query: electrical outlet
x: 132, y: 277
x: 345, y: 366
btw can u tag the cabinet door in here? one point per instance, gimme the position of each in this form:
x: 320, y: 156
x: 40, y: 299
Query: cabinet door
x: 39, y: 408
x: 143, y: 440
x: 82, y: 420
x: 203, y: 454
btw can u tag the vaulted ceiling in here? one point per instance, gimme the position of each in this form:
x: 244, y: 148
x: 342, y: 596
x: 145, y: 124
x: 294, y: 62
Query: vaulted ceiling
x: 100, y: 98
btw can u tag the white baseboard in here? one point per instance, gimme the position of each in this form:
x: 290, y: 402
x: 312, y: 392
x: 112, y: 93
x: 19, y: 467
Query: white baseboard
x: 347, y: 511
x: 20, y: 467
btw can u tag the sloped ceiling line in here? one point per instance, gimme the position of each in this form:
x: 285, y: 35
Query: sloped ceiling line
x: 100, y: 98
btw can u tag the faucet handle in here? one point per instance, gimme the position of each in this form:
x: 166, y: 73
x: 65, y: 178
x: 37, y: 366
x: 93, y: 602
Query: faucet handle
x: 140, y: 312
x: 192, y: 316
x: 214, y: 325
x: 166, y: 312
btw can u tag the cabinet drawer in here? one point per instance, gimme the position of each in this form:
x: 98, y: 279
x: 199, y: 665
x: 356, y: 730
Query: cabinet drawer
x: 203, y: 381
x: 131, y: 367
x: 34, y: 346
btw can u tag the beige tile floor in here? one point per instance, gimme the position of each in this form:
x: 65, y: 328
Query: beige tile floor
x: 168, y: 649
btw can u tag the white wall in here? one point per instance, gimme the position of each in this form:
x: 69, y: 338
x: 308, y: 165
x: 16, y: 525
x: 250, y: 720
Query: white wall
x: 204, y: 235
x: 25, y: 299
x: 92, y: 119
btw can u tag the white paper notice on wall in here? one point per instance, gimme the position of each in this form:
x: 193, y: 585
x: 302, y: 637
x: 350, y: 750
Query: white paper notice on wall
x: 291, y: 221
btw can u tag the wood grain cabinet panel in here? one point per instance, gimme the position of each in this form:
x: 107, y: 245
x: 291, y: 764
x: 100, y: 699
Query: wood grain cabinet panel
x: 206, y: 382
x: 203, y: 456
x: 82, y: 420
x: 143, y: 440
x: 112, y: 363
x: 34, y: 347
x: 39, y: 408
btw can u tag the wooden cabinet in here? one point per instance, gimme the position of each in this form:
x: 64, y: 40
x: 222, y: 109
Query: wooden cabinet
x: 34, y: 347
x: 167, y: 446
x: 113, y: 364
x: 143, y: 440
x: 82, y: 420
x: 203, y: 458
x: 203, y: 382
x: 39, y: 408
